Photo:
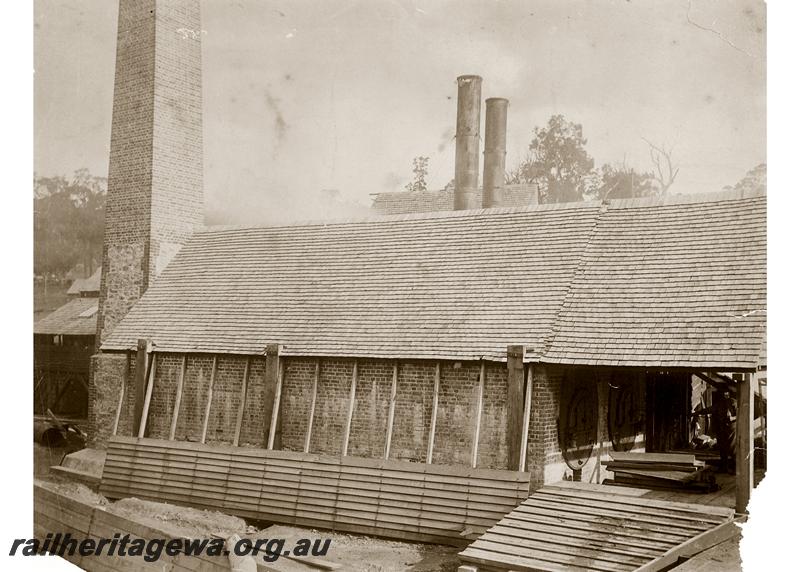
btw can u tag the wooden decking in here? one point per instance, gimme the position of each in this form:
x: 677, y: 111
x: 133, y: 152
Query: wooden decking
x: 575, y: 526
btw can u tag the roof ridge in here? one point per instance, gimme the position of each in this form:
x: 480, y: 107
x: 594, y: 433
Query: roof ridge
x: 467, y: 213
x: 548, y: 339
x: 682, y: 199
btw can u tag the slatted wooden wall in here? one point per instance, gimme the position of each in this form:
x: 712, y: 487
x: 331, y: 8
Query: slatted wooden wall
x: 396, y: 499
x: 55, y: 513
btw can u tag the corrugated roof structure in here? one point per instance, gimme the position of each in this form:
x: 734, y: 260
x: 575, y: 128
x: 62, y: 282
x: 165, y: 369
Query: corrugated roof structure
x: 77, y: 317
x: 678, y: 282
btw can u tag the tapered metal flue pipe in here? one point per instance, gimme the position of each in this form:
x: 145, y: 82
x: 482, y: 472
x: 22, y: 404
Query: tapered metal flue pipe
x: 494, y: 152
x: 468, y: 126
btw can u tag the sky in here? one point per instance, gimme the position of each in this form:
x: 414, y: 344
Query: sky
x: 301, y: 96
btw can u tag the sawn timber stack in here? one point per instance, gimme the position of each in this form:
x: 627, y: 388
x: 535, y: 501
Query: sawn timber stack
x: 395, y: 499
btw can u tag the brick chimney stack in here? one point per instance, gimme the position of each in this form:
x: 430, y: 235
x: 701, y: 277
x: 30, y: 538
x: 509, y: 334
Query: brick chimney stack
x: 155, y: 174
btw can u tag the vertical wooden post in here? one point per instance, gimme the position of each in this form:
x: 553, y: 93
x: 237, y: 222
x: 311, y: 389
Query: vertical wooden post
x: 310, y: 425
x: 434, y: 410
x: 744, y: 442
x: 139, y: 382
x: 276, y: 406
x: 242, y: 399
x: 119, y: 406
x: 526, y: 420
x: 178, y: 397
x: 390, y: 417
x: 208, y: 400
x: 349, y: 420
x: 271, y: 367
x: 514, y: 403
x: 478, y: 413
x: 148, y: 394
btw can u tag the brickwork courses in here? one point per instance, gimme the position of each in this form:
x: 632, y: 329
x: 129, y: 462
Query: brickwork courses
x: 155, y: 186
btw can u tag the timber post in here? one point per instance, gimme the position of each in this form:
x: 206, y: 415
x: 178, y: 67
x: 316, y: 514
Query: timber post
x: 744, y: 442
x: 139, y: 383
x: 272, y: 433
x: 515, y: 404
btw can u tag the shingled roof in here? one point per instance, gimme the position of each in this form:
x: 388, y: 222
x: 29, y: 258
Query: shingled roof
x: 77, y: 317
x: 679, y: 282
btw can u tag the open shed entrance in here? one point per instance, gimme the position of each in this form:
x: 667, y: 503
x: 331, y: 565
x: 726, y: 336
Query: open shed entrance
x: 669, y: 406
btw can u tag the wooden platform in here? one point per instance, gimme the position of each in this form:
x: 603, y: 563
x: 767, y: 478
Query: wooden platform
x: 394, y: 499
x: 573, y: 526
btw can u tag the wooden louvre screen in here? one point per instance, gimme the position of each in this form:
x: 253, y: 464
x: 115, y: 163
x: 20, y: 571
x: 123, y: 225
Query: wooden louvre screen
x: 395, y: 499
x: 572, y: 526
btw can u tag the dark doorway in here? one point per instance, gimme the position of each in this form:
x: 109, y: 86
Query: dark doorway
x: 668, y: 411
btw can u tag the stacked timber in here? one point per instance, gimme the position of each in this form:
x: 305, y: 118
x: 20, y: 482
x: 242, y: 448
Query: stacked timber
x: 395, y: 499
x: 671, y: 471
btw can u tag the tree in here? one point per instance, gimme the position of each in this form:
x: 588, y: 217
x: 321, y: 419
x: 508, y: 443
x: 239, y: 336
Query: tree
x: 623, y: 182
x: 754, y: 180
x: 665, y: 170
x: 558, y: 161
x: 420, y: 170
x: 68, y: 218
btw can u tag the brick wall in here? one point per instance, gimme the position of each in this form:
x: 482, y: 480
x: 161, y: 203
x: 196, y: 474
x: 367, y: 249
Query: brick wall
x: 455, y: 419
x: 155, y: 196
x: 455, y: 423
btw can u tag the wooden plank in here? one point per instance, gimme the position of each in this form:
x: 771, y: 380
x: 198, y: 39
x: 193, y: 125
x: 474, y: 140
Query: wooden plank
x: 744, y: 443
x: 271, y: 359
x: 208, y: 400
x: 350, y: 407
x: 434, y: 410
x: 672, y: 477
x: 478, y: 413
x: 502, y: 551
x: 390, y: 416
x: 568, y: 509
x: 585, y: 547
x: 515, y: 403
x: 139, y: 381
x: 693, y: 546
x: 507, y: 562
x: 276, y: 406
x: 624, y: 508
x: 310, y: 426
x: 242, y: 401
x: 178, y: 397
x: 526, y: 419
x: 722, y: 512
x: 148, y: 394
x: 673, y: 458
x: 598, y: 531
x: 121, y: 400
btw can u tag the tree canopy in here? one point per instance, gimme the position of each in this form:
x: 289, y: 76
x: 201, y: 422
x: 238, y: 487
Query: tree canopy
x: 560, y: 165
x: 68, y: 218
x: 420, y: 170
x: 558, y: 160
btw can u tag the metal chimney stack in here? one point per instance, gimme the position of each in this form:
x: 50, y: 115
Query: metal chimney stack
x: 494, y: 152
x: 468, y: 126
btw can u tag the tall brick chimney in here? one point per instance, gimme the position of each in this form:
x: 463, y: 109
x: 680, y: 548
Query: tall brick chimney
x: 468, y: 127
x: 494, y: 152
x: 155, y: 174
